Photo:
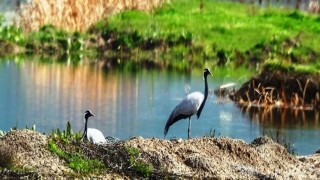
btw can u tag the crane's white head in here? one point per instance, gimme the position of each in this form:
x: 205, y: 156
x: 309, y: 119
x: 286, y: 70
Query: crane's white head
x: 87, y: 114
x: 206, y: 72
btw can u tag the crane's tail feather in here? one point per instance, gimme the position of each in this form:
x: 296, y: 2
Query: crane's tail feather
x: 168, y: 124
x: 173, y: 119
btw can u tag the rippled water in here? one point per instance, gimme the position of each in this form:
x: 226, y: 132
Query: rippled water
x: 129, y: 104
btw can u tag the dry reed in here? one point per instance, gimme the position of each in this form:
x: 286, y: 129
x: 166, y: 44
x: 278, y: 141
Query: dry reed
x: 75, y: 15
x: 260, y: 96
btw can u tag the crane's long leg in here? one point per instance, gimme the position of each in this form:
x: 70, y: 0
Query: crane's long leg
x: 189, y: 127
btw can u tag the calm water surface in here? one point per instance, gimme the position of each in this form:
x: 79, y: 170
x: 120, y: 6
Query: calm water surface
x: 129, y: 104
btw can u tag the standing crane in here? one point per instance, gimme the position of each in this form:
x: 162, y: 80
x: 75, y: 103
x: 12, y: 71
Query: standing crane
x: 192, y: 104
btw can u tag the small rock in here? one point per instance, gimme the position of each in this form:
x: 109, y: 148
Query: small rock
x: 303, y: 159
x: 261, y: 140
x: 136, y: 137
x: 176, y: 140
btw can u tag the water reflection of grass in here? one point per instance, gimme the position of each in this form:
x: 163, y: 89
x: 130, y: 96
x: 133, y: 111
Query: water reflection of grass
x: 283, y: 117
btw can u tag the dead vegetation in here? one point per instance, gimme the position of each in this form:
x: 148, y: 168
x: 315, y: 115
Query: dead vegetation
x: 280, y: 89
x: 73, y: 15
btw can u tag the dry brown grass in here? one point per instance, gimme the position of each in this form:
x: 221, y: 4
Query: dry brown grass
x: 76, y: 15
x: 7, y: 156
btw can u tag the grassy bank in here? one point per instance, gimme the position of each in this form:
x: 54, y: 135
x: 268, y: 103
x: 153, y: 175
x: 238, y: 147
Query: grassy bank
x: 226, y: 25
x: 183, y: 35
x: 228, y: 33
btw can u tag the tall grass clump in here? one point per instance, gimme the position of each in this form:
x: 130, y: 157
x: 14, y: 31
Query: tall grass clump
x: 73, y: 15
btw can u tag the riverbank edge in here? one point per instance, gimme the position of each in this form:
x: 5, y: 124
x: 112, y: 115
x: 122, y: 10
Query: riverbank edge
x: 132, y: 48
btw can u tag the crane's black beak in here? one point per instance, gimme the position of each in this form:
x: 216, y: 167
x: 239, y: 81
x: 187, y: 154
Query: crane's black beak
x: 210, y: 72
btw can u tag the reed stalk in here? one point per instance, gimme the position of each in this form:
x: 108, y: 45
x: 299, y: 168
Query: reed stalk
x: 76, y: 15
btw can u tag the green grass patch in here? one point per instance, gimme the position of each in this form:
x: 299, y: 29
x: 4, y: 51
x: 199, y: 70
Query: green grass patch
x: 221, y: 34
x: 289, y: 68
x: 53, y: 40
x: 72, y: 154
x: 77, y: 161
x: 140, y: 167
x: 228, y: 25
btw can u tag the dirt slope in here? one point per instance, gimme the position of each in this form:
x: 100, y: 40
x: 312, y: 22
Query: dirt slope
x: 222, y: 158
x: 228, y: 158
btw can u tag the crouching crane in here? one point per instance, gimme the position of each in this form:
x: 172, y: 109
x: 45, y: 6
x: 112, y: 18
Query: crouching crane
x: 93, y: 135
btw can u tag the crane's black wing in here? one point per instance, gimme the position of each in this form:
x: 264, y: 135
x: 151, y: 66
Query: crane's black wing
x: 186, y: 108
x: 172, y: 119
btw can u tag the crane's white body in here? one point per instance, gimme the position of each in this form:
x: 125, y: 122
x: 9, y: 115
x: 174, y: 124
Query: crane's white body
x: 95, y: 136
x: 189, y: 105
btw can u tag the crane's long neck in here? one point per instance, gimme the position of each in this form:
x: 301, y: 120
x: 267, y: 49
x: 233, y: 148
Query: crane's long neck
x: 205, y: 96
x: 205, y: 89
x: 85, y: 128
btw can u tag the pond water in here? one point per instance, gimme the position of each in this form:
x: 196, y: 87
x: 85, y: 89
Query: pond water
x: 129, y: 104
